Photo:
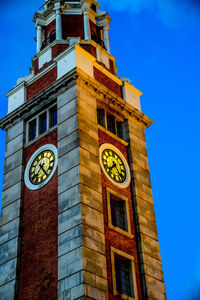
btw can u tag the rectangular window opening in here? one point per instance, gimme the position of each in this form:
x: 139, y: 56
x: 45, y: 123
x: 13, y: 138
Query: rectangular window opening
x: 32, y: 130
x: 118, y: 213
x: 43, y: 123
x: 124, y: 276
x: 101, y: 117
x: 53, y: 117
x: 111, y: 124
x: 119, y: 129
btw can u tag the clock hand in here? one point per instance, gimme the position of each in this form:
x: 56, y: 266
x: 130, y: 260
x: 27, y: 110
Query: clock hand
x: 36, y: 175
x: 41, y: 166
x: 114, y: 165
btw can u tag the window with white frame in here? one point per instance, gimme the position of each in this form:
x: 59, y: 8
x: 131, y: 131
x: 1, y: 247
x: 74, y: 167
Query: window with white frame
x: 41, y: 123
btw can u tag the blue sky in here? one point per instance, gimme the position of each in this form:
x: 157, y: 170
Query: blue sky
x: 157, y: 45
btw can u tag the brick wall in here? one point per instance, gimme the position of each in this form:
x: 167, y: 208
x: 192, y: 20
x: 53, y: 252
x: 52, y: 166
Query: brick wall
x: 50, y: 27
x: 112, y: 69
x: 113, y: 238
x: 93, y: 28
x: 38, y: 271
x: 109, y: 83
x: 73, y: 26
x: 89, y: 48
x: 41, y: 83
x: 57, y: 49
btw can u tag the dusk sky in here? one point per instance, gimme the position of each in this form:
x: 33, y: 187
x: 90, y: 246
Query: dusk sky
x: 157, y: 45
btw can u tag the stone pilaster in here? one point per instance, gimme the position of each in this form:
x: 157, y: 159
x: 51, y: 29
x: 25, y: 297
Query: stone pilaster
x: 70, y: 252
x: 11, y: 211
x: 94, y: 260
x: 149, y: 252
x: 81, y: 242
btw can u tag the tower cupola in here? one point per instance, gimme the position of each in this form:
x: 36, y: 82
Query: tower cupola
x: 66, y: 20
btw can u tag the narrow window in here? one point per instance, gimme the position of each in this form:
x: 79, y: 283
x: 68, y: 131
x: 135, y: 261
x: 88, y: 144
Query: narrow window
x: 124, y: 277
x: 119, y: 129
x: 52, y: 36
x: 53, y: 117
x: 43, y: 123
x: 94, y: 8
x: 111, y: 123
x: 101, y: 117
x: 32, y: 130
x: 118, y: 213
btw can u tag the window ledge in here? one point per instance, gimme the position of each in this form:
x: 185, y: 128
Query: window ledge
x: 119, y: 230
x: 122, y: 296
x: 112, y: 135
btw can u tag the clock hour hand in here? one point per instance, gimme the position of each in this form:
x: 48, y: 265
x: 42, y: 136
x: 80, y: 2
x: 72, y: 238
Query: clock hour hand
x: 41, y: 166
x: 114, y: 165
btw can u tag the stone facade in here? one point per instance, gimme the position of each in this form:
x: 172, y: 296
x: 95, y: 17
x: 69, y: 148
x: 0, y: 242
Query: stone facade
x: 80, y: 221
x: 148, y: 246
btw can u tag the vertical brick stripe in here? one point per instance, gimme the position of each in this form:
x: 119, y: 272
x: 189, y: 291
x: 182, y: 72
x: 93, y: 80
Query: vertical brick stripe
x: 113, y: 238
x: 38, y: 268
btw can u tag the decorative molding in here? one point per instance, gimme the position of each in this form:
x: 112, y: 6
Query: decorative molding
x: 40, y: 100
x: 102, y: 93
x: 106, y: 96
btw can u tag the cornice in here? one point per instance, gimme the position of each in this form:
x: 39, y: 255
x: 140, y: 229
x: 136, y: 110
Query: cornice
x: 16, y: 88
x: 102, y: 93
x: 40, y: 100
x: 106, y: 96
x: 45, y: 17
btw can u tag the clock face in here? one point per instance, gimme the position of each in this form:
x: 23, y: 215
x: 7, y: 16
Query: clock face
x: 114, y: 165
x: 41, y: 167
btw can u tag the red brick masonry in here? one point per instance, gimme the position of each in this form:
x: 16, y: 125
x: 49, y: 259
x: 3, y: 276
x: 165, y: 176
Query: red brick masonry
x: 40, y: 84
x: 112, y: 237
x: 38, y: 261
x: 109, y: 83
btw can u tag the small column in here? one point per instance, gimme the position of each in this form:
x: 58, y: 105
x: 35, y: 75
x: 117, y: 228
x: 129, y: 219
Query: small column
x: 86, y: 25
x: 58, y: 22
x: 39, y: 38
x: 106, y: 38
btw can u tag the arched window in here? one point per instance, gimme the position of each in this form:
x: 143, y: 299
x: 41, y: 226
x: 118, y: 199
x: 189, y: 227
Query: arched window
x: 52, y: 36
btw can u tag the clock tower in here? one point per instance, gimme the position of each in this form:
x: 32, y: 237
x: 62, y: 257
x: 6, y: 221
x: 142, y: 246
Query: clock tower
x: 77, y: 219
